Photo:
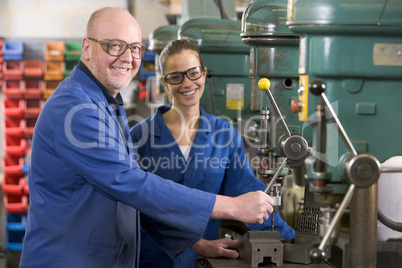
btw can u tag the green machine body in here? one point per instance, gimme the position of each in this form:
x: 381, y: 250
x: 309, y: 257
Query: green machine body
x: 354, y: 48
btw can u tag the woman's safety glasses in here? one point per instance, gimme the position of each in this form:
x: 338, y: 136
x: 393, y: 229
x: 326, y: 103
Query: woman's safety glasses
x: 176, y: 78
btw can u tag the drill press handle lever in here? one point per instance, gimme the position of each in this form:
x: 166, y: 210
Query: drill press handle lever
x: 362, y: 170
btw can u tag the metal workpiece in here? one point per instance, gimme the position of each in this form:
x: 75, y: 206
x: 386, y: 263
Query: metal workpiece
x: 261, y: 248
x: 265, y: 249
x: 232, y: 263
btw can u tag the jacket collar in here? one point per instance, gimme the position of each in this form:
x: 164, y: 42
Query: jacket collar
x: 98, y: 97
x: 161, y: 131
x: 160, y: 127
x: 115, y: 103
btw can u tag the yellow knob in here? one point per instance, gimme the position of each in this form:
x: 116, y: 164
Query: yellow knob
x: 264, y: 84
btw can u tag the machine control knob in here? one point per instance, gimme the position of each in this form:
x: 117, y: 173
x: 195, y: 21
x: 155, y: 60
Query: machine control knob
x: 294, y: 147
x: 210, y: 73
x: 264, y: 84
x: 295, y: 106
x: 363, y: 170
x: 317, y: 256
x: 264, y: 166
x: 317, y: 87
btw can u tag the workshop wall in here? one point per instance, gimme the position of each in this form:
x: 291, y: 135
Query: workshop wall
x: 60, y: 19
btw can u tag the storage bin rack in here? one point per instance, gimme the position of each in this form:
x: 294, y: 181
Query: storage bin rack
x: 13, y: 50
x: 54, y: 66
x: 33, y: 94
x: 16, y: 230
x: 22, y: 85
x: 72, y: 55
x: 147, y: 67
x: 1, y: 61
x: 33, y: 69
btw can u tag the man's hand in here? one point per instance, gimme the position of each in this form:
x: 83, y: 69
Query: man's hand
x: 252, y: 207
x: 216, y: 248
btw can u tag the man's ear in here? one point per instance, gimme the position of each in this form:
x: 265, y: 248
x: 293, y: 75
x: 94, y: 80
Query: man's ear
x: 85, y: 54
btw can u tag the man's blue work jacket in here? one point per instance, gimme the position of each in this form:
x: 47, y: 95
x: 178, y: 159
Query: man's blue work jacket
x: 217, y: 163
x: 85, y: 188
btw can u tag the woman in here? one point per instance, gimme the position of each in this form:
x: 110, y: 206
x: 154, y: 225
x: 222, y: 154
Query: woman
x: 182, y: 143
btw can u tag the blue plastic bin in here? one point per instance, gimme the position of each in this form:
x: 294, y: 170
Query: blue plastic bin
x: 13, y: 50
x: 16, y: 225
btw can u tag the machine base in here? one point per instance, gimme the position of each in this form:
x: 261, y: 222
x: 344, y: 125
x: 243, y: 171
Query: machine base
x: 233, y: 263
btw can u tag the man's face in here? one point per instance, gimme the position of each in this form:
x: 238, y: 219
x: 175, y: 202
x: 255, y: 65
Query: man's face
x: 114, y: 73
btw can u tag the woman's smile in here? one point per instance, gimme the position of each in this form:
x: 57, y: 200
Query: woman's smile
x: 189, y: 93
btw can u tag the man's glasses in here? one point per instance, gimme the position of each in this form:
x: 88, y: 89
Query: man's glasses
x: 176, y: 78
x: 116, y: 47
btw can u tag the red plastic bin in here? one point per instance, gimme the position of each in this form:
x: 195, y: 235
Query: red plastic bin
x: 13, y: 127
x: 33, y: 68
x: 32, y: 108
x: 15, y: 146
x: 33, y: 89
x: 13, y: 185
x: 16, y: 204
x: 12, y: 166
x: 25, y: 188
x: 13, y: 89
x: 13, y: 69
x: 13, y: 108
x: 29, y: 127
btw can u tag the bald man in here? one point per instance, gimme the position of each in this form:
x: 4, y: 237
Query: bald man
x: 86, y: 189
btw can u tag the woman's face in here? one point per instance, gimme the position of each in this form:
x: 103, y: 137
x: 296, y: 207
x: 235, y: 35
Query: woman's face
x: 188, y: 93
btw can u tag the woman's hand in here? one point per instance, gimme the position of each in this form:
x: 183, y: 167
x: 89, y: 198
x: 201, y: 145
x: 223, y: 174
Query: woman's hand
x: 224, y: 247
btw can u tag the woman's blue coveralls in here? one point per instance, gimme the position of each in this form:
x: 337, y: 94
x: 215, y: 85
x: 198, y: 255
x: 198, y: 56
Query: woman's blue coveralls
x: 85, y: 188
x: 217, y: 163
